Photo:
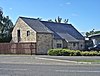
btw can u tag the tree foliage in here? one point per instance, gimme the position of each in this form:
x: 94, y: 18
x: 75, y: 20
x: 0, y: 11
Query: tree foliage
x: 92, y: 32
x: 6, y: 27
x: 39, y: 19
x: 59, y: 20
x: 66, y: 21
x: 50, y: 20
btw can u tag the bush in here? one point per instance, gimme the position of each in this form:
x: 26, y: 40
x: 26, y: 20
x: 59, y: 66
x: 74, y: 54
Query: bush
x: 64, y: 52
x: 58, y: 52
x: 67, y: 52
x: 77, y: 53
x: 53, y: 52
x: 91, y: 53
x: 85, y: 53
x: 98, y: 53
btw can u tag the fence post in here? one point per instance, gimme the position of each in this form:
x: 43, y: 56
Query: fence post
x: 31, y: 47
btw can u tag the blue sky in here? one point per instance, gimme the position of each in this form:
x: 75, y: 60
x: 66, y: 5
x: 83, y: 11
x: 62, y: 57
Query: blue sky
x: 83, y: 14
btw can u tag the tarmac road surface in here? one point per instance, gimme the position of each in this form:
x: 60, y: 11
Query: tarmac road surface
x: 26, y: 65
x: 48, y: 70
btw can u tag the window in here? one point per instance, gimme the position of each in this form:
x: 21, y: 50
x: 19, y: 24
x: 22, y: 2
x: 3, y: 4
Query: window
x: 81, y: 45
x: 18, y: 35
x: 59, y: 45
x: 74, y: 44
x: 28, y: 33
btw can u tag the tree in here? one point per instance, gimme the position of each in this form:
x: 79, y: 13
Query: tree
x: 1, y: 13
x: 50, y: 20
x: 39, y: 19
x: 92, y: 32
x: 66, y: 21
x: 59, y: 20
x: 6, y: 27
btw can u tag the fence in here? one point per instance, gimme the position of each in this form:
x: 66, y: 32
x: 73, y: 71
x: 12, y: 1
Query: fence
x: 18, y: 48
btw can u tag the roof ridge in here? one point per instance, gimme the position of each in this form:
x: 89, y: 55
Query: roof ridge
x: 28, y: 18
x: 43, y: 20
x: 56, y: 22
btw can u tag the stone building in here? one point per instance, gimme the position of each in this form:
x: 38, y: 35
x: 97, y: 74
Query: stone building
x: 47, y: 35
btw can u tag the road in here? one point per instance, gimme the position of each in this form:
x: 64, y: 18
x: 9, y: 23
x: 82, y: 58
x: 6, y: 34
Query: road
x: 48, y: 70
x: 33, y: 66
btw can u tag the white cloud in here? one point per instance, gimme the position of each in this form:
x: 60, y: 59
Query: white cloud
x: 68, y: 3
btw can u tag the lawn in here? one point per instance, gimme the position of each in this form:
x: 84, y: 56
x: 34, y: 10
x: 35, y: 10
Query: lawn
x: 94, y: 61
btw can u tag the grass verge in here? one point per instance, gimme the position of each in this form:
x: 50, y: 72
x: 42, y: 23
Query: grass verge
x: 94, y: 61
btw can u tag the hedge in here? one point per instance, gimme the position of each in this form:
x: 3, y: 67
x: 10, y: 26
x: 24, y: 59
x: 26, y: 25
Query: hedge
x: 67, y: 52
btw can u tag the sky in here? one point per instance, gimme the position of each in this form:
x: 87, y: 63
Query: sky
x: 84, y: 15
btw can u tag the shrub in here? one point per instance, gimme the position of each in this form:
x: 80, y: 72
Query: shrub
x: 59, y: 52
x: 93, y: 53
x: 77, y: 53
x: 85, y: 53
x: 98, y: 53
x: 54, y: 52
x: 72, y: 53
x: 67, y: 52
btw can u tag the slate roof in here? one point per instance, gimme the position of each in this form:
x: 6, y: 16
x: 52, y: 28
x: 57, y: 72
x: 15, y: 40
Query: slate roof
x: 59, y: 30
x: 65, y: 31
x: 36, y: 25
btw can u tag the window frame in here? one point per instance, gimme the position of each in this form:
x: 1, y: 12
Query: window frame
x: 59, y: 45
x: 74, y: 44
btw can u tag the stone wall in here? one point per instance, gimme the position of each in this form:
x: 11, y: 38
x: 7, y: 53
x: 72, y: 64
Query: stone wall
x: 44, y: 42
x: 76, y: 45
x: 73, y: 45
x: 23, y: 27
x: 81, y: 45
x: 58, y: 41
x: 70, y: 45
